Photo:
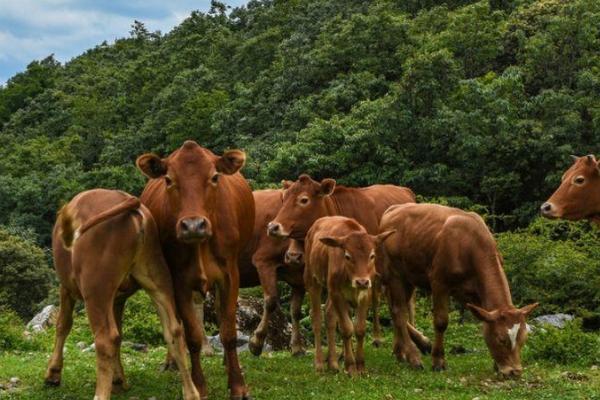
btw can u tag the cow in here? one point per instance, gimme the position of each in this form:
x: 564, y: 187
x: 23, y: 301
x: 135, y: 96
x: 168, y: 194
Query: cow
x: 204, y: 210
x: 578, y: 196
x: 105, y: 246
x: 306, y: 200
x: 451, y: 252
x: 273, y: 261
x: 340, y: 256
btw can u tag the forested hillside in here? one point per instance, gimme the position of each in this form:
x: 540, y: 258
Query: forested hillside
x: 483, y: 100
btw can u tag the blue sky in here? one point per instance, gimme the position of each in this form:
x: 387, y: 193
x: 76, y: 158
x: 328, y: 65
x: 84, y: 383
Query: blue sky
x: 33, y: 29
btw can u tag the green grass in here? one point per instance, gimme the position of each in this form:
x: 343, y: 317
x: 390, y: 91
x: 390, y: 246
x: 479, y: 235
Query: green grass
x: 280, y: 376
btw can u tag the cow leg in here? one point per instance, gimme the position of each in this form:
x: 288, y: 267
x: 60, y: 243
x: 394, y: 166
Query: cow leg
x: 228, y: 293
x: 399, y: 296
x: 422, y: 341
x: 64, y: 323
x: 193, y: 335
x: 375, y: 302
x: 346, y: 330
x: 412, y: 309
x: 296, y: 311
x: 267, y: 274
x: 440, y: 323
x: 360, y: 330
x: 119, y: 382
x: 331, y: 322
x: 207, y: 350
x: 314, y: 293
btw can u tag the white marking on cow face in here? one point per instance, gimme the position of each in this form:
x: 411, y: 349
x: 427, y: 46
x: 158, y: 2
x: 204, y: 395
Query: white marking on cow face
x: 362, y: 296
x: 512, y: 334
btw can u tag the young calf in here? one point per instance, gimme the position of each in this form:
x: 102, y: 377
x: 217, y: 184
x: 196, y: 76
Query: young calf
x: 105, y: 246
x: 451, y: 252
x: 340, y: 255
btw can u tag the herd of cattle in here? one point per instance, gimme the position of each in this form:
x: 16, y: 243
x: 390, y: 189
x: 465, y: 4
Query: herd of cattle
x: 198, y: 227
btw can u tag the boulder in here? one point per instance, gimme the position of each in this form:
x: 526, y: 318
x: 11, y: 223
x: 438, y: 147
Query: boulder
x: 555, y: 320
x: 44, y: 319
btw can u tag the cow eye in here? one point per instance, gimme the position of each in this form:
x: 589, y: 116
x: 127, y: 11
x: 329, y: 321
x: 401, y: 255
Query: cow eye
x: 304, y: 200
x: 347, y: 256
x: 215, y: 178
x: 579, y: 180
x: 168, y: 181
x: 372, y: 256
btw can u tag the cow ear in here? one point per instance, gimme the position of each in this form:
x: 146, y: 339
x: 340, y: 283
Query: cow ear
x: 528, y: 309
x: 285, y: 184
x: 483, y: 315
x: 151, y: 165
x: 591, y: 159
x: 231, y: 161
x: 327, y: 187
x: 383, y: 236
x: 332, y: 241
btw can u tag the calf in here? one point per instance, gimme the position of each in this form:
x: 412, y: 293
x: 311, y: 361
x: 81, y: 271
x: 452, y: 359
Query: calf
x: 340, y: 256
x: 578, y: 196
x: 105, y: 246
x: 451, y: 253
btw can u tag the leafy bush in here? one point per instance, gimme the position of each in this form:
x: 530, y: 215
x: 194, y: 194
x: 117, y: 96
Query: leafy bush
x: 556, y: 264
x: 141, y: 323
x: 569, y: 345
x: 24, y: 274
x: 11, y: 332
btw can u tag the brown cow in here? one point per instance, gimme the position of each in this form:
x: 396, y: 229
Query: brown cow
x: 340, y: 256
x: 578, y: 196
x: 273, y: 262
x: 306, y: 200
x: 451, y: 253
x: 204, y: 210
x: 105, y: 246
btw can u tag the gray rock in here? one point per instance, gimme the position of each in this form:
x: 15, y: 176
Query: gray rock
x: 81, y: 345
x: 91, y: 349
x: 242, y: 343
x: 556, y: 320
x: 44, y: 319
x: 14, y: 381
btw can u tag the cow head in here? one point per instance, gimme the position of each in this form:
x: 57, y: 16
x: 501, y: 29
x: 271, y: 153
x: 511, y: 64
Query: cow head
x: 294, y: 255
x: 359, y: 255
x: 191, y: 178
x: 578, y: 196
x: 505, y: 333
x: 303, y: 204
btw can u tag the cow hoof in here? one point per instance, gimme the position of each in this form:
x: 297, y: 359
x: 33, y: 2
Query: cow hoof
x: 377, y: 342
x: 417, y: 366
x: 51, y: 382
x: 438, y: 368
x: 119, y: 387
x: 168, y: 366
x: 208, y: 351
x: 245, y: 396
x: 298, y: 352
x: 255, y: 347
x: 333, y: 366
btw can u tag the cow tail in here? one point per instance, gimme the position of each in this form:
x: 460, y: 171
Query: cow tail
x: 67, y: 226
x: 132, y: 203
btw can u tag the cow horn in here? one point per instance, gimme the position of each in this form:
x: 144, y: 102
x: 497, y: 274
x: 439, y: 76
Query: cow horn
x: 574, y: 157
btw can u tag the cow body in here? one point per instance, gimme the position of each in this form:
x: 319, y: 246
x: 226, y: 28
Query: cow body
x: 204, y: 210
x: 578, y: 196
x: 340, y: 257
x: 306, y: 200
x: 451, y: 253
x: 105, y: 246
x: 266, y: 258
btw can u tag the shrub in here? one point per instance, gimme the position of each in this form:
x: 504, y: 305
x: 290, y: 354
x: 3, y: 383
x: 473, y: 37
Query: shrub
x: 141, y: 323
x: 569, y: 345
x: 24, y: 274
x: 11, y: 332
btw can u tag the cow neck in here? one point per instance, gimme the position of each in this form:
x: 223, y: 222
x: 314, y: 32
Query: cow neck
x: 494, y: 292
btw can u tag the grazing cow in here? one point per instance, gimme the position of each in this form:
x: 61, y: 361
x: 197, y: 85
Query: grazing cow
x: 340, y: 256
x: 105, y: 246
x: 204, y: 210
x: 273, y: 261
x: 451, y: 253
x: 305, y: 201
x: 578, y: 196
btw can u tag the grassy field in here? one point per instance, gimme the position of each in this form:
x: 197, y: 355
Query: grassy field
x: 280, y: 376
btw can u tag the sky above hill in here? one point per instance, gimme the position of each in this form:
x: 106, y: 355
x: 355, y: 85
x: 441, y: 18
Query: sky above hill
x: 34, y: 29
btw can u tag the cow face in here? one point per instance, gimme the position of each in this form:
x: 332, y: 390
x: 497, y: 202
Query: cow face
x: 505, y: 333
x: 359, y: 256
x: 303, y: 204
x: 578, y: 196
x: 191, y: 176
x: 294, y: 255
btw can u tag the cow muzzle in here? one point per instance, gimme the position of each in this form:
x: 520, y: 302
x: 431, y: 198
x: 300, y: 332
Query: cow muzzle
x: 361, y: 283
x: 548, y: 210
x: 511, y: 372
x: 275, y: 229
x: 193, y: 229
x: 294, y: 257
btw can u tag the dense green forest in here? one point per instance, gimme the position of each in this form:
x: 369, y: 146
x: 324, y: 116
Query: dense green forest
x: 483, y: 100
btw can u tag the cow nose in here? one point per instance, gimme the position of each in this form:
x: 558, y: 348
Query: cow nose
x: 362, y: 283
x: 546, y: 208
x: 293, y: 257
x: 274, y: 229
x: 193, y: 227
x: 511, y: 372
